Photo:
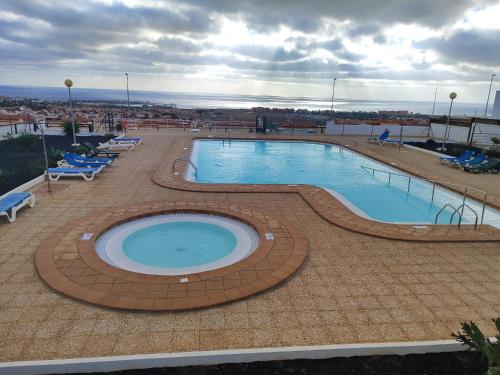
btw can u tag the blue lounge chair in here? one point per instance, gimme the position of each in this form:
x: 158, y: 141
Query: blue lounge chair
x: 467, y: 155
x: 86, y: 173
x: 470, y: 163
x: 13, y: 202
x: 84, y: 159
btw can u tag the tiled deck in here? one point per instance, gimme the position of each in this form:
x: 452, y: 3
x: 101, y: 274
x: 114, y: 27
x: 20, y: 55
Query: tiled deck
x: 351, y: 288
x: 77, y: 270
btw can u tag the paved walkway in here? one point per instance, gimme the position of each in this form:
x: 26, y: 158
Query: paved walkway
x: 352, y: 287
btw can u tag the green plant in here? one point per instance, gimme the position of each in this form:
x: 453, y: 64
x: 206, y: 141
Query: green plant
x: 495, y: 140
x: 67, y: 128
x: 53, y: 156
x: 34, y: 168
x: 25, y: 140
x: 472, y: 336
x: 4, y: 175
x: 8, y: 136
x: 80, y: 150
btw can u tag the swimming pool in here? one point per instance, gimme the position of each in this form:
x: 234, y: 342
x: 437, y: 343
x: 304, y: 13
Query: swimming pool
x: 177, y: 244
x: 345, y: 174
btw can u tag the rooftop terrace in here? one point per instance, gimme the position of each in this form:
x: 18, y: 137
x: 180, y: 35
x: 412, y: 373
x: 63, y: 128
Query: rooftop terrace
x: 352, y: 288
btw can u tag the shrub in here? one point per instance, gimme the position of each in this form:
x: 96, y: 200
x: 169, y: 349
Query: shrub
x: 109, y: 136
x: 25, y: 140
x: 53, y: 156
x: 80, y: 150
x: 8, y: 136
x: 67, y: 128
x: 472, y: 336
x: 4, y: 175
x: 495, y: 140
x: 35, y: 168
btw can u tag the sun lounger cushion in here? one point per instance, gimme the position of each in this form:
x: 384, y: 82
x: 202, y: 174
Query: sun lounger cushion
x: 13, y: 202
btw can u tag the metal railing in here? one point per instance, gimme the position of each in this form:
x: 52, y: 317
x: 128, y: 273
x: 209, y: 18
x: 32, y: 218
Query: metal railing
x: 459, y: 211
x: 189, y: 161
x: 434, y: 183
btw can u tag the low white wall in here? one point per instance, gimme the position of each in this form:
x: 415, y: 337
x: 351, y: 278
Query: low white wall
x: 366, y: 129
x: 107, y: 364
x: 457, y: 133
x: 26, y: 186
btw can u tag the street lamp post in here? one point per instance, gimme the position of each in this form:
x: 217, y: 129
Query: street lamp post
x: 489, y: 92
x: 68, y: 84
x: 46, y: 158
x: 333, y: 98
x: 452, y: 95
x: 434, y: 104
x: 128, y: 108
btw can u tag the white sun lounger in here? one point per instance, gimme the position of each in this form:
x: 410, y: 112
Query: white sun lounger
x: 123, y: 139
x: 13, y: 202
x: 86, y: 173
x: 129, y: 146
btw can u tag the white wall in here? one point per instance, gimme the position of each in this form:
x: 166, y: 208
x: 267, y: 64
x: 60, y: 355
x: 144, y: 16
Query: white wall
x: 496, y: 106
x: 457, y: 133
x: 365, y: 129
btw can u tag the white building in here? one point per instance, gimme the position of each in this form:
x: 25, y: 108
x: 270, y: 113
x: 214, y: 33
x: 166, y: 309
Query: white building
x: 496, y: 106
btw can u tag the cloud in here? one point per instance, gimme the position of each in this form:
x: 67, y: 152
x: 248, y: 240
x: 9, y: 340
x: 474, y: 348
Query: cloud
x: 472, y: 46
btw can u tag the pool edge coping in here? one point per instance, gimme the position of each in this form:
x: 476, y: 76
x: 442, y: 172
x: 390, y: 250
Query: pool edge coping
x: 325, y: 204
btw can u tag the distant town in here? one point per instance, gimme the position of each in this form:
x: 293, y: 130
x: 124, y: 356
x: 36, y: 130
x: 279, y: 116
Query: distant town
x: 101, y: 115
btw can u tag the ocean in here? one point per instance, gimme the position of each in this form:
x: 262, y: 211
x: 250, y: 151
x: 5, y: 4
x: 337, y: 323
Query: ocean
x: 190, y: 100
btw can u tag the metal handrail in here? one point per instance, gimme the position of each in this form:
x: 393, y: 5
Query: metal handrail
x: 455, y: 210
x: 355, y: 146
x: 462, y: 206
x: 186, y: 160
x: 434, y: 183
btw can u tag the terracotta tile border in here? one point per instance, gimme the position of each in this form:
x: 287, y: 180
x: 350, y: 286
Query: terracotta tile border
x: 325, y: 205
x: 71, y: 265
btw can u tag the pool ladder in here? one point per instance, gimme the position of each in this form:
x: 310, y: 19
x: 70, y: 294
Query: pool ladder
x: 459, y: 211
x: 443, y: 184
x: 189, y: 161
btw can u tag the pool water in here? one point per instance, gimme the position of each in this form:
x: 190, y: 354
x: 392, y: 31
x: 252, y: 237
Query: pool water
x: 345, y: 174
x: 179, y: 244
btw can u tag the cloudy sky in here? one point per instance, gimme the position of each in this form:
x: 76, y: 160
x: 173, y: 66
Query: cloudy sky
x: 378, y: 49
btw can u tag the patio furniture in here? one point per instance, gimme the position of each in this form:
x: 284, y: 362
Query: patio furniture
x: 110, y: 146
x: 467, y: 155
x: 383, y: 139
x: 10, y: 204
x: 84, y: 159
x: 87, y: 174
x: 93, y: 151
x: 491, y: 165
x: 476, y: 161
x: 136, y: 140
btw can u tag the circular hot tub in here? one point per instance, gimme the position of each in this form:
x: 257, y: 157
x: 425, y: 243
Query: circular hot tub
x: 177, y: 243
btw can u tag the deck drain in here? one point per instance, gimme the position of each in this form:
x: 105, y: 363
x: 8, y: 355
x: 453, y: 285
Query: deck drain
x: 420, y: 227
x: 184, y: 280
x: 269, y: 236
x: 86, y: 236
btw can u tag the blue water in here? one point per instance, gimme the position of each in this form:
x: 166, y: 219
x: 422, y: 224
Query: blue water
x: 216, y: 100
x: 179, y: 244
x: 323, y: 165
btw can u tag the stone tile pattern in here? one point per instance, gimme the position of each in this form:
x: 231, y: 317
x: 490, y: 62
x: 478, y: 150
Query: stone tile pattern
x: 326, y: 205
x: 353, y: 288
x: 71, y: 266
